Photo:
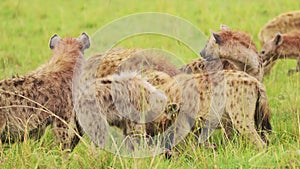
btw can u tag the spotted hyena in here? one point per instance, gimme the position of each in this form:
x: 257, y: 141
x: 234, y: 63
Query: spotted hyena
x: 283, y: 23
x: 280, y: 47
x: 31, y: 102
x: 236, y: 50
x: 231, y: 99
x: 245, y: 107
x: 119, y: 78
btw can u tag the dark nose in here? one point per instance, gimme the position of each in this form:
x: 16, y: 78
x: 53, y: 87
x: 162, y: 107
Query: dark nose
x: 202, y: 53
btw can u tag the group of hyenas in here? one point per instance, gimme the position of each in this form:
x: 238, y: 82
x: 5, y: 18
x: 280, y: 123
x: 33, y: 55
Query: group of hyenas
x: 143, y: 94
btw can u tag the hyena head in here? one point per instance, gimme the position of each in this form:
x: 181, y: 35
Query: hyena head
x: 269, y: 52
x: 237, y: 47
x: 269, y: 49
x: 228, y: 44
x: 58, y: 44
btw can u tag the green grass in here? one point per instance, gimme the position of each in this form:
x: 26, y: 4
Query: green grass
x: 26, y: 27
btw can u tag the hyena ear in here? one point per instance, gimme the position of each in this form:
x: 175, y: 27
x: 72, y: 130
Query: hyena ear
x: 278, y: 39
x: 224, y: 27
x: 216, y: 37
x: 84, y: 39
x: 54, y: 41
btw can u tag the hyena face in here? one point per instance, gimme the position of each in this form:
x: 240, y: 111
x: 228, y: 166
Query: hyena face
x: 211, y: 50
x: 282, y: 46
x: 268, y: 52
x: 227, y: 44
x: 236, y: 47
x: 269, y: 49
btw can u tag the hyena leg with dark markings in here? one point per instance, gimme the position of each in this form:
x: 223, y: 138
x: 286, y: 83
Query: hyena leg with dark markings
x: 228, y: 127
x: 65, y: 134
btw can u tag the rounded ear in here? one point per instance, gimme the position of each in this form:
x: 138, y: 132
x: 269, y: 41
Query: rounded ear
x: 278, y: 39
x: 216, y: 37
x: 54, y: 41
x: 84, y: 39
x: 224, y: 27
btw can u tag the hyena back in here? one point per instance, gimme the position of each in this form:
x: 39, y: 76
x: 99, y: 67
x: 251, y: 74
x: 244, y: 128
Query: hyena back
x: 283, y: 23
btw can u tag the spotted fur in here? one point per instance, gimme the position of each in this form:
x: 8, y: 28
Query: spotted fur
x: 246, y: 107
x: 238, y: 98
x: 283, y: 23
x: 236, y: 48
x: 282, y: 46
x: 31, y: 102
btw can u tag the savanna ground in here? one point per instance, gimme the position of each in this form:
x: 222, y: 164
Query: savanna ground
x: 26, y: 27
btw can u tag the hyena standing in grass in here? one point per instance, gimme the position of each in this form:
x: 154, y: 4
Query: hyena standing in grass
x: 236, y: 51
x: 31, y: 102
x: 231, y: 99
x: 282, y: 46
x: 246, y: 108
x: 123, y: 97
x: 285, y: 24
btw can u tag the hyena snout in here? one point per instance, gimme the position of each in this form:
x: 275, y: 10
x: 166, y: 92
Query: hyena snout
x: 203, y: 53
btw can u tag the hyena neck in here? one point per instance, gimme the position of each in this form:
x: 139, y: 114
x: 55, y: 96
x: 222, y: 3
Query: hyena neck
x: 63, y: 64
x: 246, y: 60
x: 290, y: 48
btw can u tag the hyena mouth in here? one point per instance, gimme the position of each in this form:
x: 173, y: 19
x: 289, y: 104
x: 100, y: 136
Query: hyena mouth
x: 208, y: 57
x: 211, y: 59
x: 269, y: 60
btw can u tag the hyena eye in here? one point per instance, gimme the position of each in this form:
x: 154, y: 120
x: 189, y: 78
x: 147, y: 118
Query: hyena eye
x: 262, y: 52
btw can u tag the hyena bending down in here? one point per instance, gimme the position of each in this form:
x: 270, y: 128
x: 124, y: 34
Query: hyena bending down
x: 235, y: 49
x: 29, y: 103
x: 240, y: 102
x: 280, y: 47
x: 284, y: 23
x: 246, y: 107
x: 122, y: 93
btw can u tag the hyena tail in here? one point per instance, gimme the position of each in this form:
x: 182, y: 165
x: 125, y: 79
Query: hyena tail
x: 262, y: 112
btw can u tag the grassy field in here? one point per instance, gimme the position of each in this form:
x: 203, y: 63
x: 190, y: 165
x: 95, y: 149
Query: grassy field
x: 26, y: 27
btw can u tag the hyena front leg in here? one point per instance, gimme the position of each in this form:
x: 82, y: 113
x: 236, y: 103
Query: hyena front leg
x: 135, y: 134
x: 295, y: 70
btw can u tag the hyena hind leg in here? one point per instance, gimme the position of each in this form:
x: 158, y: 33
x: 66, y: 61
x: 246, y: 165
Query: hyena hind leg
x: 227, y: 126
x: 295, y: 70
x: 249, y: 132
